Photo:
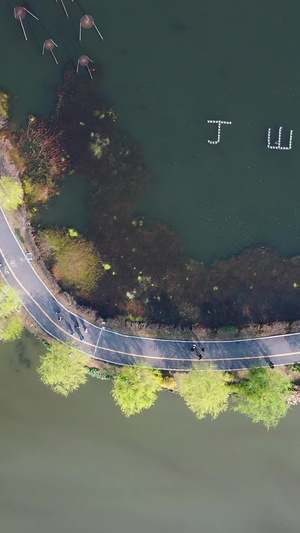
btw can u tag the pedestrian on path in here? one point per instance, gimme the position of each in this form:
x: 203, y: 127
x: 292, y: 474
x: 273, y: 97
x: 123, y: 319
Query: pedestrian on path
x: 193, y: 347
x: 271, y: 364
x: 199, y: 355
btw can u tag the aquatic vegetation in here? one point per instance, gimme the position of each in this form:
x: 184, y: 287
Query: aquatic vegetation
x: 98, y: 145
x: 143, y: 257
x: 135, y: 318
x: 229, y: 330
x: 11, y: 193
x: 4, y: 104
x: 73, y: 232
x: 38, y: 191
x: 40, y: 146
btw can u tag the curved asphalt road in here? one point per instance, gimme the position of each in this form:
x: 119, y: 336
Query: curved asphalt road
x: 107, y: 345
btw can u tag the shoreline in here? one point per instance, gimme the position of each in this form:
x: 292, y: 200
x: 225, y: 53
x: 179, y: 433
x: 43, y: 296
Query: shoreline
x: 146, y: 299
x: 21, y: 222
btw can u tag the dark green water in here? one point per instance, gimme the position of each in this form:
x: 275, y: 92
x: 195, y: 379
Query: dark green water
x: 170, y: 66
x: 69, y: 209
x: 78, y: 465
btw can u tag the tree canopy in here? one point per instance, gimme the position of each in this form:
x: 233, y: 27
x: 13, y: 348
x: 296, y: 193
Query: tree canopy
x: 262, y: 396
x: 63, y: 368
x: 205, y: 391
x: 11, y: 193
x: 11, y: 326
x: 9, y: 300
x: 135, y: 388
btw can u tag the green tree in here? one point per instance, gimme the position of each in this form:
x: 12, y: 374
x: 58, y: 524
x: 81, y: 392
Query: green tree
x: 135, y: 388
x: 63, y: 368
x: 11, y: 193
x: 262, y: 396
x: 9, y: 300
x: 205, y: 391
x: 11, y: 328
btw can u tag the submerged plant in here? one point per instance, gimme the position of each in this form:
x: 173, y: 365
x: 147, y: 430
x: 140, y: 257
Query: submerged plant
x: 4, y: 103
x: 98, y: 145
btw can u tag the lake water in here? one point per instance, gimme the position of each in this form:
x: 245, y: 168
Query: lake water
x: 78, y: 465
x: 171, y: 65
x: 74, y: 465
x: 69, y: 208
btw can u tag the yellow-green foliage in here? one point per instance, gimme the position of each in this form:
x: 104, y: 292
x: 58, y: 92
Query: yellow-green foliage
x: 4, y: 101
x: 73, y: 233
x: 169, y: 383
x: 98, y: 145
x: 76, y: 263
x: 263, y: 395
x: 11, y: 193
x: 205, y: 391
x: 63, y: 369
x: 38, y: 191
x: 9, y: 300
x: 135, y: 388
x: 11, y: 326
